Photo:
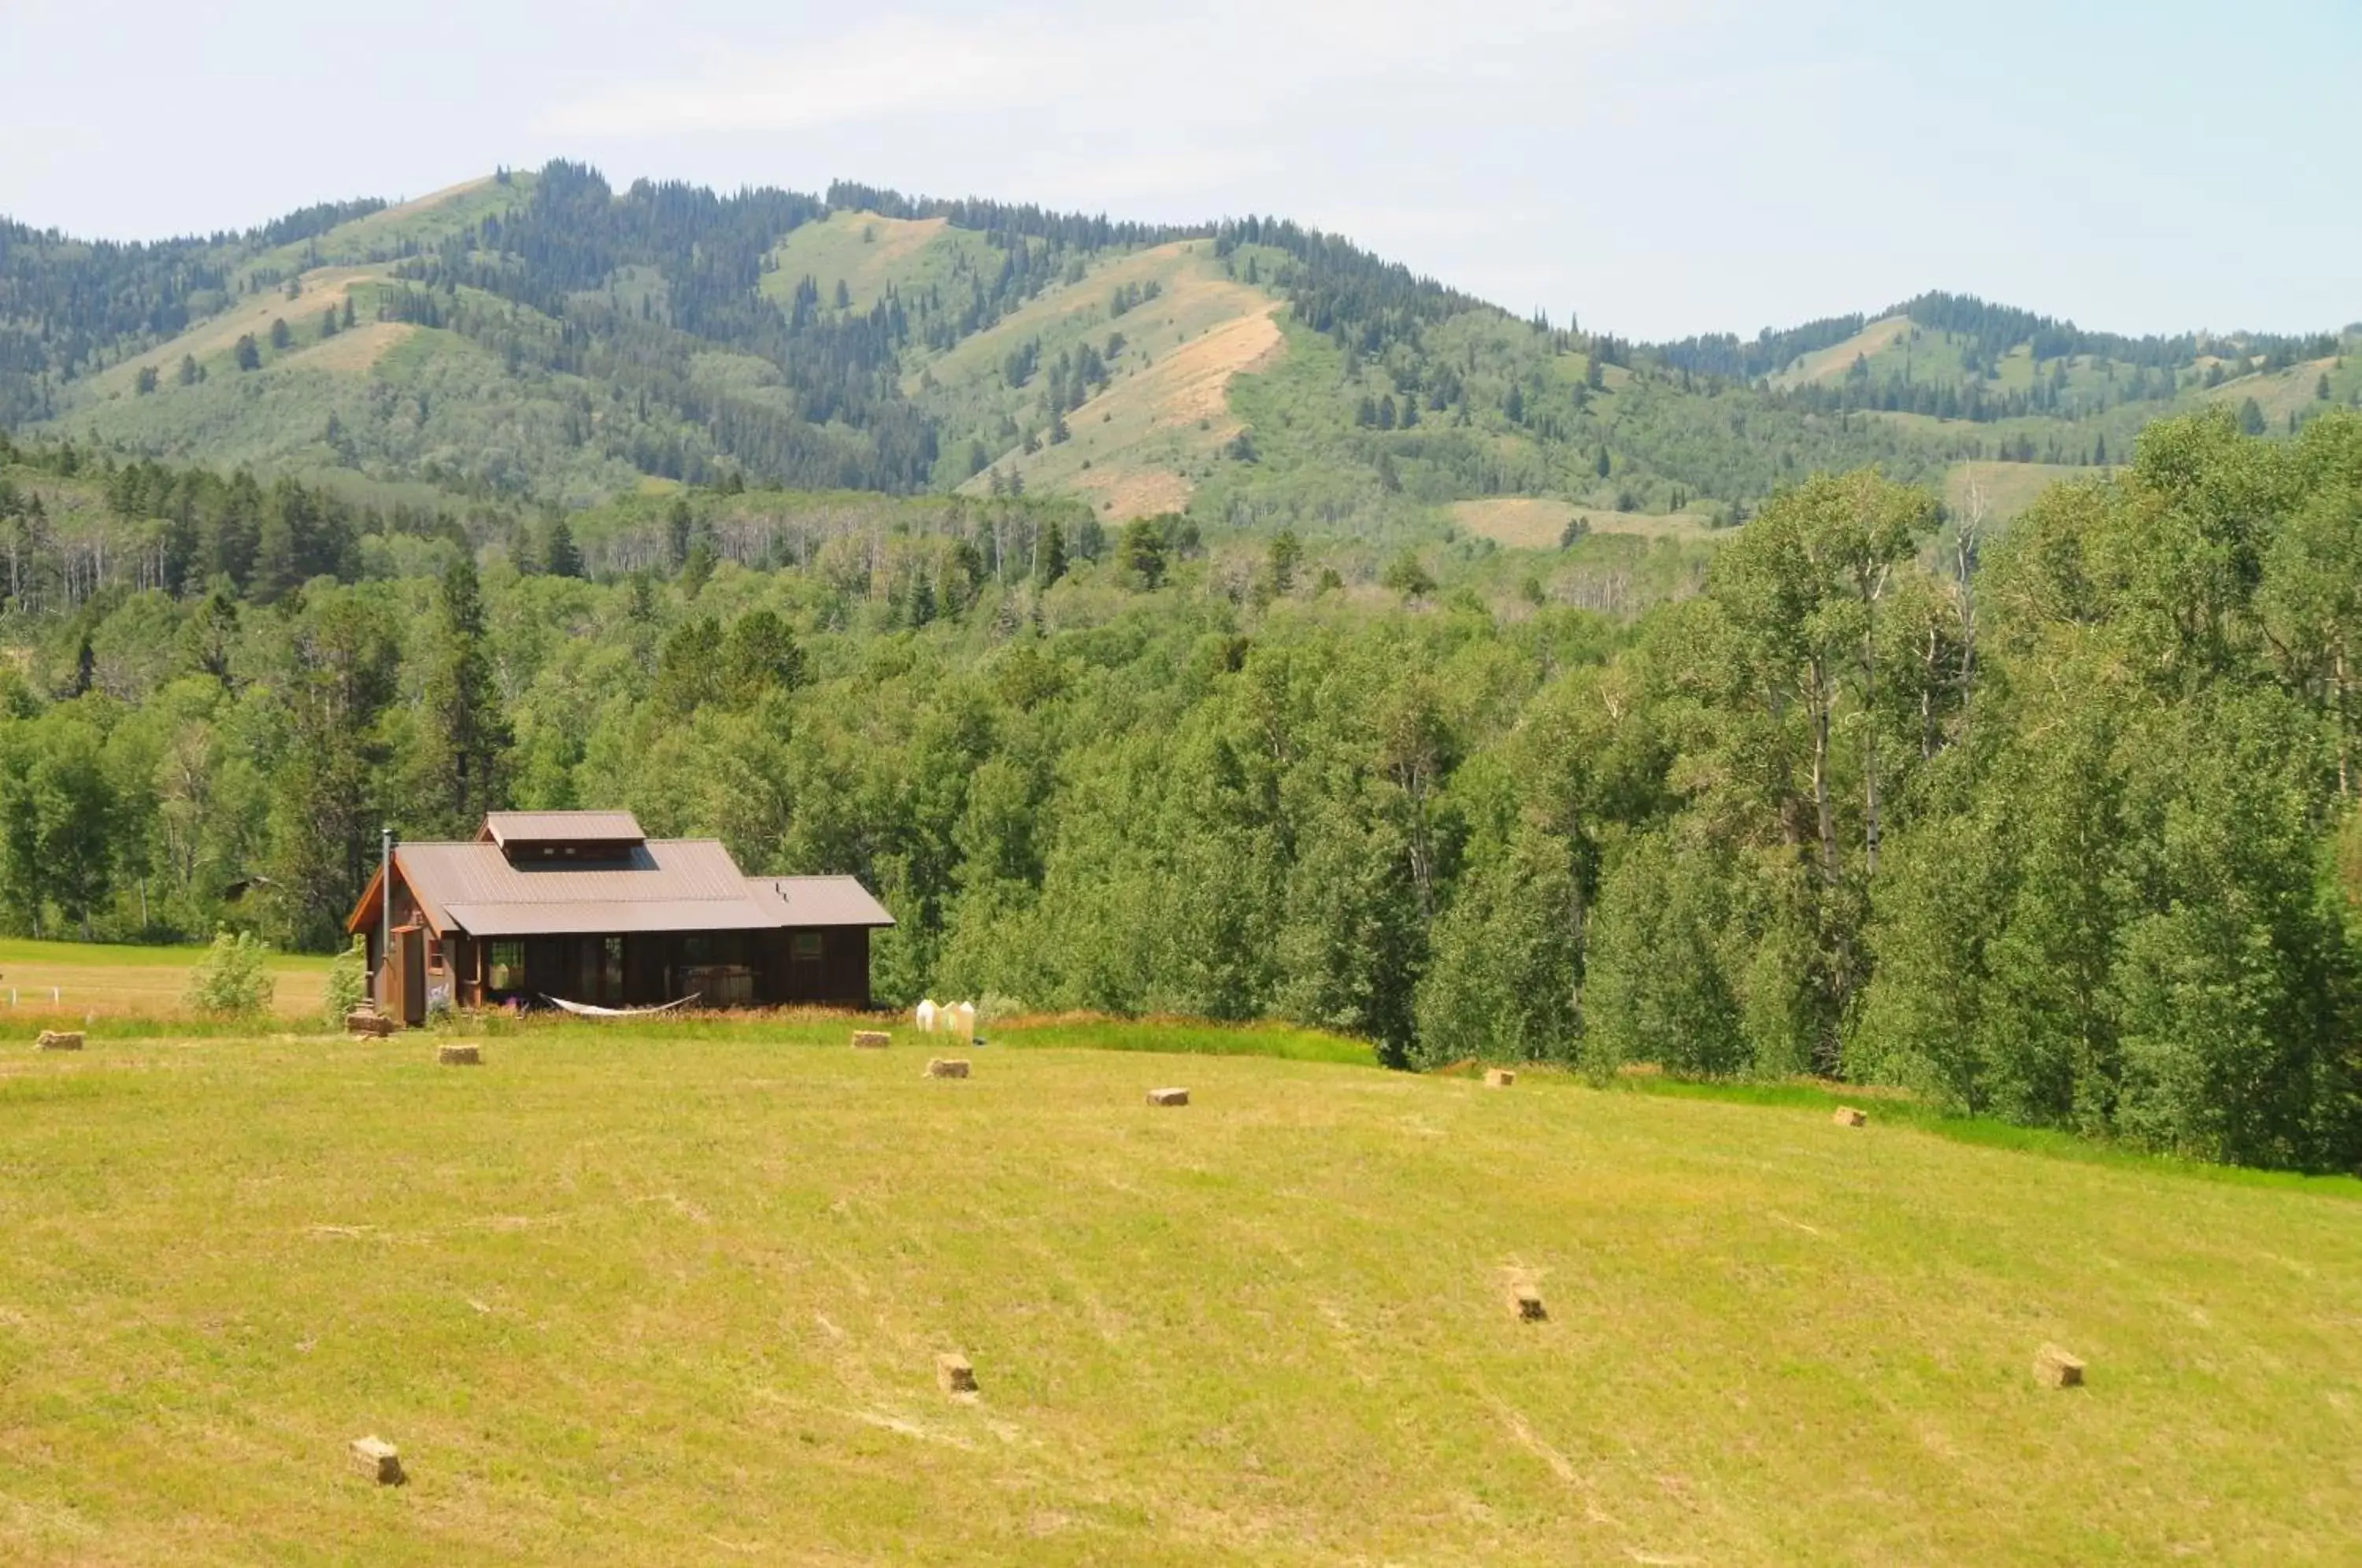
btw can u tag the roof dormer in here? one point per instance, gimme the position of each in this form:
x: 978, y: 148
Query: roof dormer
x: 555, y: 838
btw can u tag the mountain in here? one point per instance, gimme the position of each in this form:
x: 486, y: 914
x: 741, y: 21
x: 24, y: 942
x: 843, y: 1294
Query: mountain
x: 542, y: 337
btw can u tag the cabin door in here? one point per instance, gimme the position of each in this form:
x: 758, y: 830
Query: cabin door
x: 410, y: 975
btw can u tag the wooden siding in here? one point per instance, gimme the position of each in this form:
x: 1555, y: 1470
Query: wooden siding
x: 822, y: 966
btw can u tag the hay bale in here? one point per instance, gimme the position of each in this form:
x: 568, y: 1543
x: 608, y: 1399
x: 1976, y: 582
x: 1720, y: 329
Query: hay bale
x: 946, y: 1067
x: 871, y: 1039
x: 1500, y: 1077
x: 460, y: 1056
x: 378, y: 1458
x: 2054, y: 1368
x: 1846, y: 1116
x: 954, y: 1374
x: 1168, y: 1096
x: 1527, y: 1303
x: 368, y: 1023
x: 59, y: 1040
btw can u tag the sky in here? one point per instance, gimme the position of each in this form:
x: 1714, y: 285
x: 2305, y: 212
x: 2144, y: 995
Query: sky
x: 1652, y: 168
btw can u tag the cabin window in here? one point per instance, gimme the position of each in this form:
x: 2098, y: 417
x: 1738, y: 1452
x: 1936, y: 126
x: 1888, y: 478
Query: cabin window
x: 436, y: 952
x: 508, y: 966
x: 807, y: 947
x: 612, y: 978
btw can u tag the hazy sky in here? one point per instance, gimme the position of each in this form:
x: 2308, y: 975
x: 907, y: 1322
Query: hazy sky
x: 1657, y: 166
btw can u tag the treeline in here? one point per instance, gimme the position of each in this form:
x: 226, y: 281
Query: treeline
x: 1989, y: 334
x: 2068, y: 836
x: 141, y: 525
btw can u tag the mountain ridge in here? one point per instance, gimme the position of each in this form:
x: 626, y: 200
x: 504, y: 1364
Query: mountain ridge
x: 542, y: 335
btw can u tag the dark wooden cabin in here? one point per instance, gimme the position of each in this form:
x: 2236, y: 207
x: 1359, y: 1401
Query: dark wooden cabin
x: 583, y: 905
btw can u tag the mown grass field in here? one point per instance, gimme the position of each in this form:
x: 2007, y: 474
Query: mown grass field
x: 131, y: 984
x: 625, y: 1298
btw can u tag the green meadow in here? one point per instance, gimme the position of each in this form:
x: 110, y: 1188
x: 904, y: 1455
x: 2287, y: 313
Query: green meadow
x: 644, y: 1295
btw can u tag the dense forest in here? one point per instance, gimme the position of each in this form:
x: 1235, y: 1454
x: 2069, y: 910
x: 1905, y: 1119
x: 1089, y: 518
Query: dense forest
x: 2058, y: 826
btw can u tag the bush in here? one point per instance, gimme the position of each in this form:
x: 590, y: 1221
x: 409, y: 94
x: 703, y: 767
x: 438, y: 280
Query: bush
x: 230, y: 981
x: 347, y: 983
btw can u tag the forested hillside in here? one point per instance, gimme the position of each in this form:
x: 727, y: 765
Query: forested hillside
x: 2070, y: 836
x: 542, y: 338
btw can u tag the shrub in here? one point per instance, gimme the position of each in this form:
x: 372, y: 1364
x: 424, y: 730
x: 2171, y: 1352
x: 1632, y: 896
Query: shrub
x: 230, y: 981
x: 347, y: 982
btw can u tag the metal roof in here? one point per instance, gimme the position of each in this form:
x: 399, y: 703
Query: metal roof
x: 818, y: 900
x: 563, y: 827
x: 610, y: 918
x: 660, y: 885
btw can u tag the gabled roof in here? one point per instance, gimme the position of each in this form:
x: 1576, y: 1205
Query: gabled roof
x: 505, y: 828
x: 656, y: 886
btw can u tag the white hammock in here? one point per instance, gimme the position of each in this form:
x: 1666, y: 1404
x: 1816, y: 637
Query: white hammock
x: 584, y: 1009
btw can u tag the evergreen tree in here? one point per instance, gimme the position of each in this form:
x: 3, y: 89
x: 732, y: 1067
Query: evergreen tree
x: 1142, y: 553
x: 249, y: 357
x: 560, y: 557
x: 1287, y: 554
x: 1049, y: 554
x: 463, y: 733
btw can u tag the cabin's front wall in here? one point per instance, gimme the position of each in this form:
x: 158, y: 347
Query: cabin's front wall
x: 828, y: 966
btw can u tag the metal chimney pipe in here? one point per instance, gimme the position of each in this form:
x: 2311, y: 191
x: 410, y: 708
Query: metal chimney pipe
x: 385, y: 912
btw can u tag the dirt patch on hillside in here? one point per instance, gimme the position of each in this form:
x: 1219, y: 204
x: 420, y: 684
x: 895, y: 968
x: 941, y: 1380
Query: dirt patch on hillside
x: 324, y: 288
x: 432, y: 198
x: 1193, y: 383
x: 1123, y: 494
x: 1137, y: 446
x: 355, y: 351
x: 897, y: 237
x: 1828, y: 364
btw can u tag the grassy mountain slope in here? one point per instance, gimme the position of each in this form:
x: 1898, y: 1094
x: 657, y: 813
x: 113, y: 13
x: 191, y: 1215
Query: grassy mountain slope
x: 680, y: 1299
x: 870, y: 253
x: 544, y: 336
x: 1137, y: 439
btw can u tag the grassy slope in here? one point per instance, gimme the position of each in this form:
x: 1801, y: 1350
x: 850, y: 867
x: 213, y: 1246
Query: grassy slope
x: 1538, y: 523
x: 906, y: 254
x: 2008, y: 487
x: 1146, y: 438
x: 633, y: 1301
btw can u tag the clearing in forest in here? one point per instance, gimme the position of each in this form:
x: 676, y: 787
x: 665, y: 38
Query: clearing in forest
x: 1138, y: 446
x: 1538, y: 523
x: 1831, y: 363
x: 211, y: 340
x: 2006, y: 489
x: 651, y: 1298
x: 867, y: 253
